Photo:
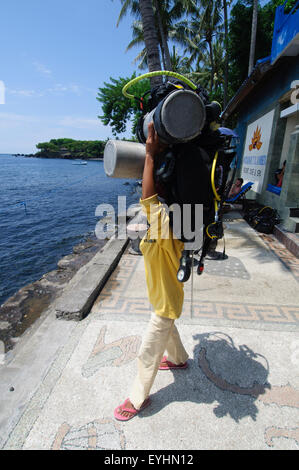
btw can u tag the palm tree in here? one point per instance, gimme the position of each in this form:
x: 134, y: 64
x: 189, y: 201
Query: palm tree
x: 132, y: 5
x: 253, y: 36
x: 179, y: 64
x: 210, y: 27
x: 167, y: 13
x: 163, y: 36
x: 138, y: 40
x: 186, y: 34
x: 202, y: 72
x: 150, y: 38
x: 199, y: 35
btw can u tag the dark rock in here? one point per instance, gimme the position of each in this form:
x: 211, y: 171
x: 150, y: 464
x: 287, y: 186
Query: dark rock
x: 22, y: 309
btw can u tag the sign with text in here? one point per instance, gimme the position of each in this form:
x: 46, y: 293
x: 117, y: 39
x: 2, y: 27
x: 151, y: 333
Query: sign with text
x: 256, y: 150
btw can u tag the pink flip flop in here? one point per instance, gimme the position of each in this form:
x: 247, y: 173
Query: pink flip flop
x: 170, y: 365
x: 133, y: 411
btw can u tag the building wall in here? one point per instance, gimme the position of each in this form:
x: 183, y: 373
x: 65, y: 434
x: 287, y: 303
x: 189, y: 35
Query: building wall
x: 264, y: 98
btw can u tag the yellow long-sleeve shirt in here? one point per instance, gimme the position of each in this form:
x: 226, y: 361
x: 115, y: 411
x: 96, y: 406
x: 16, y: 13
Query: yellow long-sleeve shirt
x: 162, y: 253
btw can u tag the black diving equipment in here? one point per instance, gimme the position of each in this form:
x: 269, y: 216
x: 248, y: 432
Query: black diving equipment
x: 195, y: 166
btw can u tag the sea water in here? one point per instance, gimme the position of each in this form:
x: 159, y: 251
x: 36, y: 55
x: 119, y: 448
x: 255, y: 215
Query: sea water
x: 46, y: 207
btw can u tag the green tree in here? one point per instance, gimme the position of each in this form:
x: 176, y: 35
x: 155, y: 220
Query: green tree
x: 240, y: 36
x: 289, y: 4
x: 69, y: 148
x: 118, y: 110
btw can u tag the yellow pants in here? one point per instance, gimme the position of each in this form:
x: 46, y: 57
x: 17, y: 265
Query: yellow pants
x: 161, y: 335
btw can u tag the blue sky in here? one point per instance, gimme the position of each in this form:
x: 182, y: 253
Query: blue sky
x: 54, y: 56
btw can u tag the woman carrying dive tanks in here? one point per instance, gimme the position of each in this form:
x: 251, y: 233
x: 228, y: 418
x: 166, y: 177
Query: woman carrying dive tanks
x: 165, y: 292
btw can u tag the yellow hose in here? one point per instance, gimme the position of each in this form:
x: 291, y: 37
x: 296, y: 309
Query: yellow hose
x: 263, y: 208
x: 217, y: 197
x: 154, y: 74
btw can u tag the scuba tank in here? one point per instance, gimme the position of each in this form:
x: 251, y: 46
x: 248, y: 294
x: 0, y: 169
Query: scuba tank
x: 123, y: 159
x: 179, y: 117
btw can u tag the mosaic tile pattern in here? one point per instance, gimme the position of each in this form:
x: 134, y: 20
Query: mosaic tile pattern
x: 115, y: 354
x: 245, y: 375
x: 113, y: 300
x: 282, y: 253
x: 274, y: 433
x: 104, y: 434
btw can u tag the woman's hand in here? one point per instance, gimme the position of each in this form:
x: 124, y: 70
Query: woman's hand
x: 153, y: 146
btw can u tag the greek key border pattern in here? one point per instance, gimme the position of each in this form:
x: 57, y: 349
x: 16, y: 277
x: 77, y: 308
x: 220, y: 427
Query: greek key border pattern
x: 282, y: 253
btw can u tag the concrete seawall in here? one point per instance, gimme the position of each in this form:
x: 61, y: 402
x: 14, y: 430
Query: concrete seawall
x: 77, y: 298
x: 73, y: 287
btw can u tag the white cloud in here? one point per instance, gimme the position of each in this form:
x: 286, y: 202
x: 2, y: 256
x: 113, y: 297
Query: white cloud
x: 41, y: 68
x: 57, y: 89
x: 26, y: 93
x: 80, y: 122
x: 17, y: 119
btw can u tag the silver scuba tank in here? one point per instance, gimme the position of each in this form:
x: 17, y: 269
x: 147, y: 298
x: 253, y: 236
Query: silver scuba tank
x: 124, y: 159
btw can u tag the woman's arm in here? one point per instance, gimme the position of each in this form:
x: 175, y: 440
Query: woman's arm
x: 152, y: 149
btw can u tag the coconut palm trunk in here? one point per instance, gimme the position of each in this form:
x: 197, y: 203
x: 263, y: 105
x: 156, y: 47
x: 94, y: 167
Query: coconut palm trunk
x: 150, y: 38
x: 164, y: 42
x: 210, y: 43
x: 225, y: 91
x: 253, y: 36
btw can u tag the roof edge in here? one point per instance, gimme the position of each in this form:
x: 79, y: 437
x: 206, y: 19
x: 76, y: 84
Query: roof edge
x: 261, y: 68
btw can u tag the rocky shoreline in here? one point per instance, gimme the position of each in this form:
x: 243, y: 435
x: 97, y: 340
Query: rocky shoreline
x: 22, y: 309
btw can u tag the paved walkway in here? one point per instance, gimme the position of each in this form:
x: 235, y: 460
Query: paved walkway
x: 241, y: 390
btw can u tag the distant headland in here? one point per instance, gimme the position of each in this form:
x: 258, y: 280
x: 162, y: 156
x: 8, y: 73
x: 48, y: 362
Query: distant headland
x: 69, y: 149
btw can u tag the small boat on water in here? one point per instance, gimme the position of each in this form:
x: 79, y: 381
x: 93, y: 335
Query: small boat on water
x: 79, y: 163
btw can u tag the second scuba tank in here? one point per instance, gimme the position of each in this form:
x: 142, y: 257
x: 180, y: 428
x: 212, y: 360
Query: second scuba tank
x: 124, y: 159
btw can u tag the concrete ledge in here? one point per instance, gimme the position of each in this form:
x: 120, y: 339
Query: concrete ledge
x: 292, y: 224
x: 289, y: 240
x: 77, y: 298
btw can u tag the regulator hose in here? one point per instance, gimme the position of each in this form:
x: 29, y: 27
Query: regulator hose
x: 154, y: 74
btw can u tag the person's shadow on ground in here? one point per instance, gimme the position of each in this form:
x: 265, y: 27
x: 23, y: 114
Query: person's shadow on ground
x: 231, y: 377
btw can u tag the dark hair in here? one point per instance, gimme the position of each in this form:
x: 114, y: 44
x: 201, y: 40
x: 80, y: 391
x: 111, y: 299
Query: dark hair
x: 240, y: 179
